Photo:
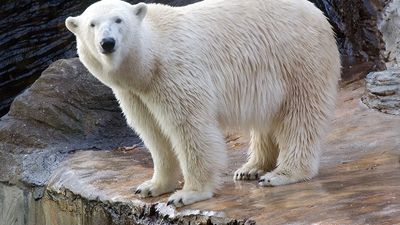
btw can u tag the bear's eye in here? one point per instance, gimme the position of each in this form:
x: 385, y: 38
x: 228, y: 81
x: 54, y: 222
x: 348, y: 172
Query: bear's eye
x: 91, y: 24
x: 118, y: 20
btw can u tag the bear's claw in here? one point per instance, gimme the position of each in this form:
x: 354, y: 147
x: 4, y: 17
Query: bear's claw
x: 248, y: 173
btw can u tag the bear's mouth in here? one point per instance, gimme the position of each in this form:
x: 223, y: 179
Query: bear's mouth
x: 107, y: 52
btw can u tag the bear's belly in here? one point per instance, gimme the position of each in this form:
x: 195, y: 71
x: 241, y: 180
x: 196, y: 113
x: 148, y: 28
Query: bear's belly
x: 247, y: 104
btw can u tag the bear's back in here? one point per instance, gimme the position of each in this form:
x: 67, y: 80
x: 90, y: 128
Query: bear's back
x: 241, y: 48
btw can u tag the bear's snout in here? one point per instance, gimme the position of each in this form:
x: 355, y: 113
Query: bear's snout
x: 107, y: 45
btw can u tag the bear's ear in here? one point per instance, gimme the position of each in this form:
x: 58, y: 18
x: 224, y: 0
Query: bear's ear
x: 72, y: 24
x: 140, y: 10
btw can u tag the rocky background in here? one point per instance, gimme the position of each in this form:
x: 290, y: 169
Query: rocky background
x: 33, y: 35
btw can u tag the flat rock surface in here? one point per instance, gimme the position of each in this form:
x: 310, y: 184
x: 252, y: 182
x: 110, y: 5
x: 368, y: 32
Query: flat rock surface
x: 359, y: 180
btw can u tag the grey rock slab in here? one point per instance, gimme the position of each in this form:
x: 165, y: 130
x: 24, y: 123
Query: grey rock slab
x: 383, y: 91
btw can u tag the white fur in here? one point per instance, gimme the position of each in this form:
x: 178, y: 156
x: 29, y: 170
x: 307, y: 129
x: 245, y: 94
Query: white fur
x: 183, y: 75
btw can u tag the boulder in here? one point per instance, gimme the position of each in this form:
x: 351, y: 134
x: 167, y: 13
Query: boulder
x: 67, y: 109
x: 383, y: 91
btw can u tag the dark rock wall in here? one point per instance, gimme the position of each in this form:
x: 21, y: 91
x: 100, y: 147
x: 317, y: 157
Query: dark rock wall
x: 33, y: 35
x: 359, y: 39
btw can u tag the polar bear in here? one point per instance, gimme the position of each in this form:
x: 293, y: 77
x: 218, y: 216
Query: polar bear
x: 184, y: 75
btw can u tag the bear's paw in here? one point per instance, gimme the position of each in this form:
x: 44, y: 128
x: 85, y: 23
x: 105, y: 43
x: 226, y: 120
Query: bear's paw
x: 182, y: 198
x: 278, y: 178
x: 153, y: 189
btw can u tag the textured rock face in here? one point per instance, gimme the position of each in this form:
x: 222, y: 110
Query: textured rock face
x: 32, y: 36
x: 390, y: 28
x: 359, y: 39
x: 383, y: 88
x: 383, y: 91
x: 66, y: 109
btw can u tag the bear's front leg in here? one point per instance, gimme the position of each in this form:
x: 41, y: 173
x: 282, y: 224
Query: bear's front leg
x: 166, y: 168
x: 199, y: 144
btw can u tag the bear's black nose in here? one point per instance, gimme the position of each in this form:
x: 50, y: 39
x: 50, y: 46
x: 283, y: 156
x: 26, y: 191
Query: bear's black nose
x: 107, y: 45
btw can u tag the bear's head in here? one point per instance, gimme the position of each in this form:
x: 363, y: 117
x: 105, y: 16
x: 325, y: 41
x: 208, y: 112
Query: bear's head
x: 106, y: 32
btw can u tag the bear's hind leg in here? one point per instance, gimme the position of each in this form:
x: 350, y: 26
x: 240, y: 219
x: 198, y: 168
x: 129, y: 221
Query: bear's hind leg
x: 298, y: 137
x: 263, y: 154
